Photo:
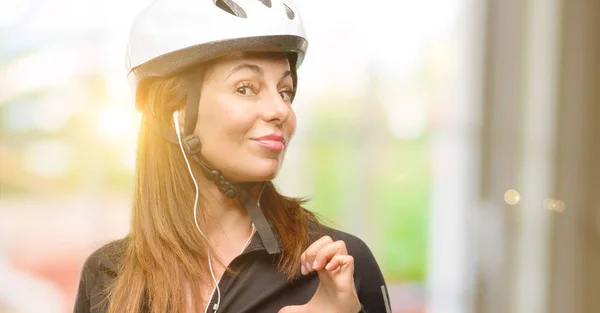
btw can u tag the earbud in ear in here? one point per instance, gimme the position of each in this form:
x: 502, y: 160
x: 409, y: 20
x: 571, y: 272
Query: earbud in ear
x: 176, y: 122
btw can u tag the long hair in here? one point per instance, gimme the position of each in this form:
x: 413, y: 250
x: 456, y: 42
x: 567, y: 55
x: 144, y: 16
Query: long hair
x: 164, y: 254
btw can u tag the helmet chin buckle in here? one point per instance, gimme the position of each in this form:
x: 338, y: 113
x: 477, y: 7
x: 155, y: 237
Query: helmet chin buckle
x: 229, y: 189
x: 225, y: 186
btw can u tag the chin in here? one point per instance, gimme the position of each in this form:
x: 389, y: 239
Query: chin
x: 255, y: 177
x: 266, y: 174
x: 266, y: 177
x: 264, y: 171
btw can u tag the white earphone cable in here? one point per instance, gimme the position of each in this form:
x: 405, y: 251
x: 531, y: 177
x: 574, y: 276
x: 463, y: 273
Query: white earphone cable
x: 187, y: 162
x: 212, y: 274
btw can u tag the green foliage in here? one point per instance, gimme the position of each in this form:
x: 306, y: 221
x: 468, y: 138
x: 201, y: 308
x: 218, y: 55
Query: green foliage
x: 397, y: 190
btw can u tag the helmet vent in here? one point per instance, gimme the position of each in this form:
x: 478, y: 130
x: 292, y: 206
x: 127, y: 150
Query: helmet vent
x: 289, y: 12
x: 231, y: 7
x: 267, y: 3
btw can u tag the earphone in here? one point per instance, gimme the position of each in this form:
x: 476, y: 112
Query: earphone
x: 187, y: 162
x: 183, y: 152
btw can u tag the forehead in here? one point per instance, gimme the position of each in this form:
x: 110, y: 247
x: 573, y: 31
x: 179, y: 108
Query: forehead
x: 267, y: 61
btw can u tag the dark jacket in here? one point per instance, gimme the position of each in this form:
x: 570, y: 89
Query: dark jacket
x: 258, y: 287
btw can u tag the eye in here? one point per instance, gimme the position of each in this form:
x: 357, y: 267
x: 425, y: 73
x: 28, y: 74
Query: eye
x: 287, y: 94
x: 245, y: 90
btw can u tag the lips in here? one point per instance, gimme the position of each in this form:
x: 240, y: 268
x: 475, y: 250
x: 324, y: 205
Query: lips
x: 271, y: 141
x: 272, y: 137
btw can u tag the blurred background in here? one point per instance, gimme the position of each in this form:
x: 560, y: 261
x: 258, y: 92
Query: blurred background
x: 458, y: 138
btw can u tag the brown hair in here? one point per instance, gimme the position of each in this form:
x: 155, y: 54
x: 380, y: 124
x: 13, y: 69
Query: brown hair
x: 164, y: 251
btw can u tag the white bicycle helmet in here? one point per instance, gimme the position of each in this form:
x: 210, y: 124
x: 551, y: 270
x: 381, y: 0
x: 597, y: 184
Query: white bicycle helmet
x: 172, y: 35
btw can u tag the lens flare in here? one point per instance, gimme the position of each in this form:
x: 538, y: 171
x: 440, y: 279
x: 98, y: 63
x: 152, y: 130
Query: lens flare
x: 512, y: 197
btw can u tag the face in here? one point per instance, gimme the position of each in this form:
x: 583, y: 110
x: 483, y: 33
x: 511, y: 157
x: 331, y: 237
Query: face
x: 245, y: 117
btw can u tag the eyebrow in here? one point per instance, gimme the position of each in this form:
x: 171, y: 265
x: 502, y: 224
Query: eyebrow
x: 285, y: 74
x: 256, y: 69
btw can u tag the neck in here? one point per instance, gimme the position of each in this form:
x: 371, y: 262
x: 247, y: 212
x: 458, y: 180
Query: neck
x: 226, y: 218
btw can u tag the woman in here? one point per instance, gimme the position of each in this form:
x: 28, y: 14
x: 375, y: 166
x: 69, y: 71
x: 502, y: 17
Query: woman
x: 215, y: 81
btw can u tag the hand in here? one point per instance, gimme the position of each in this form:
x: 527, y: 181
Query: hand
x: 336, y: 292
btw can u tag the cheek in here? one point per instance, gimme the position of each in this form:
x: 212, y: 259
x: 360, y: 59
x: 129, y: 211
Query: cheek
x: 290, y: 124
x: 224, y: 120
x: 238, y: 120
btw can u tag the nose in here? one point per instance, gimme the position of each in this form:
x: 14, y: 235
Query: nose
x: 276, y: 109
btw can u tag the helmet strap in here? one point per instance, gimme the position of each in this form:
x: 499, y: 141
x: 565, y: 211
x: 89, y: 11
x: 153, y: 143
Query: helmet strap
x: 194, y: 85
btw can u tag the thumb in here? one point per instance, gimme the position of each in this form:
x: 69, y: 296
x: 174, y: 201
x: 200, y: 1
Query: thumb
x: 293, y: 309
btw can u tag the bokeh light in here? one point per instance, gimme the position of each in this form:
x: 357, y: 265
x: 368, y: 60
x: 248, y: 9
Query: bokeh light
x: 554, y: 205
x: 512, y: 197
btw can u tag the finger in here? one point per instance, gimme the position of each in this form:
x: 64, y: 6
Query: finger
x: 308, y: 257
x: 327, y: 252
x: 341, y: 262
x: 341, y: 277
